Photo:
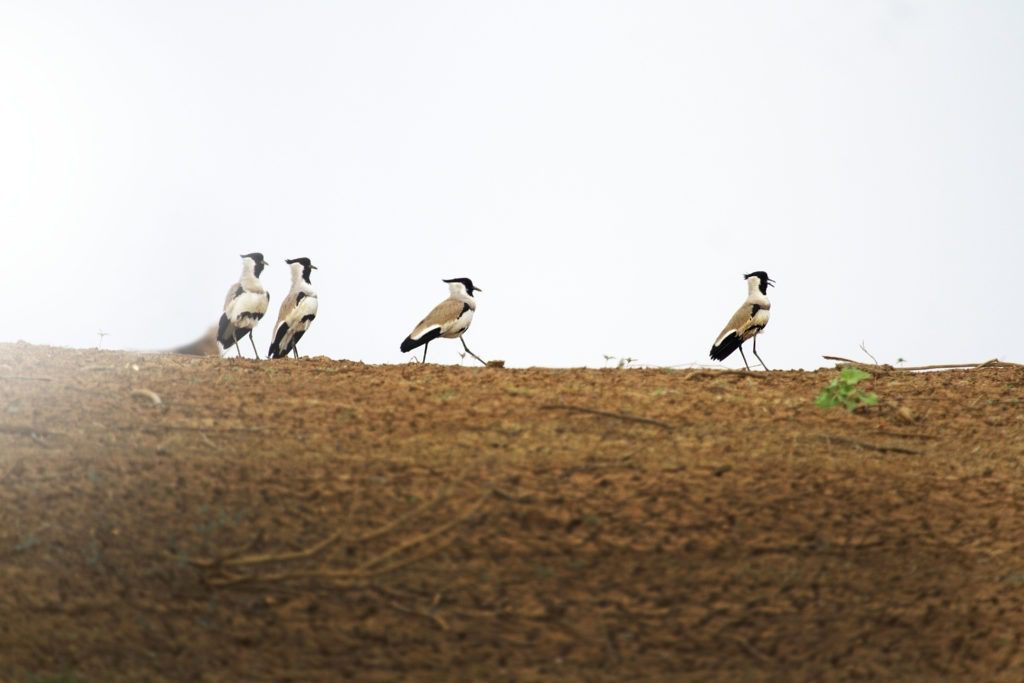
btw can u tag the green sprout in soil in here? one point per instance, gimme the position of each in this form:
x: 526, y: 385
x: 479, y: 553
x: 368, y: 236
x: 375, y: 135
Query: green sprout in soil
x: 843, y: 391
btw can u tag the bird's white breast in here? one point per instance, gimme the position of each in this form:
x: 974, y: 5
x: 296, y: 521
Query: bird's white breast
x: 460, y: 325
x: 247, y: 308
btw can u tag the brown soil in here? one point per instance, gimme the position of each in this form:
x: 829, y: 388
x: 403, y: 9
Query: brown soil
x: 203, y: 519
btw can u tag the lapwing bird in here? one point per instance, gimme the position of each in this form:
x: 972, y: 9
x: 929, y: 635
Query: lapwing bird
x: 449, y: 319
x: 748, y: 321
x: 298, y: 310
x: 245, y: 305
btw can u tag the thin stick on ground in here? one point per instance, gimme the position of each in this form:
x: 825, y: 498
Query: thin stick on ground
x: 994, y: 363
x: 424, y: 537
x: 361, y: 575
x: 342, y: 578
x: 868, y: 446
x: 149, y: 394
x: 868, y: 353
x: 391, y: 601
x: 319, y: 546
x: 840, y: 359
x: 605, y: 413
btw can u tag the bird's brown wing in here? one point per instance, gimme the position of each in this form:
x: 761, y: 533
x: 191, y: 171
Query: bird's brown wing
x: 738, y: 323
x: 286, y: 307
x: 444, y: 316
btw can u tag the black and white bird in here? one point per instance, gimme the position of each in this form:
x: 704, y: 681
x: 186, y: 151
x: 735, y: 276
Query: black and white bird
x: 245, y: 305
x: 748, y: 321
x: 449, y: 319
x: 298, y: 310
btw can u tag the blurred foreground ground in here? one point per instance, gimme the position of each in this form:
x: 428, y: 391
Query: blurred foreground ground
x: 165, y: 518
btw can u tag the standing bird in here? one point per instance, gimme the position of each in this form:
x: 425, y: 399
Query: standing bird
x: 449, y: 319
x: 245, y: 305
x: 748, y: 321
x: 297, y: 310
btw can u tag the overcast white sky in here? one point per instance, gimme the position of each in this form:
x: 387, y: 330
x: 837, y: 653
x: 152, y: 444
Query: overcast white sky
x: 604, y: 171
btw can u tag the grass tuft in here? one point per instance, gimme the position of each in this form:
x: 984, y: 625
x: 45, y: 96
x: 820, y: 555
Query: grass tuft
x: 843, y: 391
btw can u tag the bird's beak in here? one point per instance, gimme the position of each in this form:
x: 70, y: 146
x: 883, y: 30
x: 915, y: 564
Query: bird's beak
x: 477, y: 289
x: 313, y: 267
x: 771, y: 282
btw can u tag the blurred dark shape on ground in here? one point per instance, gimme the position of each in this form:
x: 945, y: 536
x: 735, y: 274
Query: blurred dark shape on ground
x: 204, y: 346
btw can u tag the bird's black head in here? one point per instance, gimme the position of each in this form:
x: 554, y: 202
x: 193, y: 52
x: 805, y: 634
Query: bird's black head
x: 258, y: 260
x: 307, y: 266
x: 763, y: 280
x: 467, y: 283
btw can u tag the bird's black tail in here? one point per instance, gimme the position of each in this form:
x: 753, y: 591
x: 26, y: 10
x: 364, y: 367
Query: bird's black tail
x: 409, y: 344
x: 275, y: 346
x: 724, y: 348
x: 224, y: 335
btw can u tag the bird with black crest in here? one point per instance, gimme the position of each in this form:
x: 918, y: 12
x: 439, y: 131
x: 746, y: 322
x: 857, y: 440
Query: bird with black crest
x: 298, y: 310
x: 449, y: 319
x: 748, y: 321
x: 245, y: 305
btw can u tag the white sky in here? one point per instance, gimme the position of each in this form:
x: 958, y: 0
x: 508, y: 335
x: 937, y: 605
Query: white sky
x: 605, y: 171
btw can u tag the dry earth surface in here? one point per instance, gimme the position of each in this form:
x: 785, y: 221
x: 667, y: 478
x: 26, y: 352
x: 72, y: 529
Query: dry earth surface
x: 166, y: 518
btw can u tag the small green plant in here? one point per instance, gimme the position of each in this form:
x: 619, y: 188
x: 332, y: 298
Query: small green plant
x: 843, y: 391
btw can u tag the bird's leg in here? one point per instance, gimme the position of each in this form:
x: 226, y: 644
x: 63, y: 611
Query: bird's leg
x: 425, y: 352
x: 755, y: 353
x: 295, y: 350
x: 482, y: 361
x: 238, y: 350
x: 744, y: 356
x: 251, y: 340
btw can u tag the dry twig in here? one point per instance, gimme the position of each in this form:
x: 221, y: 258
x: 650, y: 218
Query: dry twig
x: 865, y: 350
x: 341, y: 578
x: 840, y: 359
x: 358, y: 577
x: 424, y: 537
x: 906, y: 435
x: 605, y: 413
x: 994, y: 363
x: 146, y: 393
x: 868, y: 446
x: 390, y: 601
x: 319, y: 546
x: 511, y: 497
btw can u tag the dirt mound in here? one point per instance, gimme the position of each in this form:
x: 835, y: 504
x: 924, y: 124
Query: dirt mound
x: 175, y: 518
